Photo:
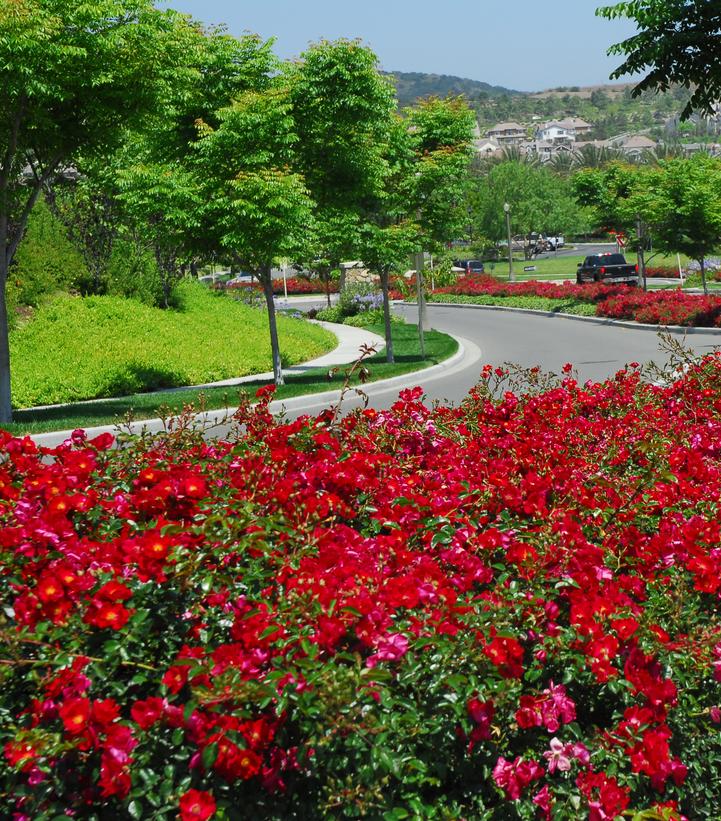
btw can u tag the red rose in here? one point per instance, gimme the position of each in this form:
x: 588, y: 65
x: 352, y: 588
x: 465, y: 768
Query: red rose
x: 75, y: 714
x: 146, y: 713
x: 197, y: 805
x: 108, y: 614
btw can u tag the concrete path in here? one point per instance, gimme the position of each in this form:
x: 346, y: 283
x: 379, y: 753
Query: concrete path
x: 350, y: 342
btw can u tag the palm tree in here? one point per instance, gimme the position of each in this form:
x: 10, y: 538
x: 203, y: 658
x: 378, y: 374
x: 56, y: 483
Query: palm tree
x: 594, y: 156
x: 563, y: 163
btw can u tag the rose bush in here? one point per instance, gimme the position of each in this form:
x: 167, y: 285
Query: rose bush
x: 503, y: 610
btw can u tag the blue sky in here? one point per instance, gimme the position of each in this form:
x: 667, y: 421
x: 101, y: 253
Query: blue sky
x: 528, y: 45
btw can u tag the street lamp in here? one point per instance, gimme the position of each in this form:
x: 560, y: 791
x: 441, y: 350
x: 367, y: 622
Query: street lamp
x: 507, y: 209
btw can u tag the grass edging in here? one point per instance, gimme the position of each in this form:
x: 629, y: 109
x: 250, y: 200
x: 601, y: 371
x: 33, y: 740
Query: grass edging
x: 147, y: 406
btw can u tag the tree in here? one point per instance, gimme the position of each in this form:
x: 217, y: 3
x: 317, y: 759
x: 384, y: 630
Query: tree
x: 677, y: 42
x: 620, y: 196
x: 683, y: 198
x: 257, y: 209
x: 159, y: 188
x: 342, y: 108
x: 441, y: 136
x: 540, y: 201
x: 164, y: 201
x: 72, y: 74
x: 90, y: 212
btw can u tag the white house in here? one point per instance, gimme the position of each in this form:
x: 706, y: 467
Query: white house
x: 486, y: 146
x: 555, y: 133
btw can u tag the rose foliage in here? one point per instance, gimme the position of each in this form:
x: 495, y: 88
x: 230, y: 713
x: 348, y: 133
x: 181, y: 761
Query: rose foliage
x: 503, y: 610
x: 668, y: 307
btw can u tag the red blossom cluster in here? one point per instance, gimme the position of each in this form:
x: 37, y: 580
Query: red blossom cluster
x: 506, y: 609
x: 672, y: 307
x: 296, y: 286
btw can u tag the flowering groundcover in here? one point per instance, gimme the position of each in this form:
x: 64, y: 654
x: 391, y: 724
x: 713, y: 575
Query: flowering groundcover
x: 503, y: 610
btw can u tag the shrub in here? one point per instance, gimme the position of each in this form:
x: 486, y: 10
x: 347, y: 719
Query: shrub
x: 502, y: 610
x: 133, y: 273
x: 297, y: 286
x: 359, y: 297
x: 372, y: 317
x: 670, y: 307
x: 46, y: 261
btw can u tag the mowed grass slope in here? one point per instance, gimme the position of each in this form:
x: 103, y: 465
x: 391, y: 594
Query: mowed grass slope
x: 85, y: 348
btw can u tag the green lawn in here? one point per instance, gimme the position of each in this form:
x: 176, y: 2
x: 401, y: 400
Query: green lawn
x: 564, y: 267
x: 148, y: 405
x: 77, y: 348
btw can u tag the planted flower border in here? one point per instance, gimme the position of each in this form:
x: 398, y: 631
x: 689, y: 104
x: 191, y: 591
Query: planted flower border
x: 668, y: 307
x: 503, y: 610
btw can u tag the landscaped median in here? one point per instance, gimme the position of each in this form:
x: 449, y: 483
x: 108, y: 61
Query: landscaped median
x: 439, y: 347
x: 669, y: 307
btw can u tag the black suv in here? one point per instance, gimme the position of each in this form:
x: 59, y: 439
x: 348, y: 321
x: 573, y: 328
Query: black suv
x: 470, y: 266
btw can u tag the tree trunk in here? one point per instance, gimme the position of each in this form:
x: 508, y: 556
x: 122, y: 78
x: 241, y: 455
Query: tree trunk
x: 6, y: 413
x: 264, y: 275
x: 326, y: 275
x: 702, y: 263
x: 385, y: 274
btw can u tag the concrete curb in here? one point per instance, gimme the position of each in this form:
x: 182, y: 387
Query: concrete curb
x: 54, y: 438
x: 597, y: 320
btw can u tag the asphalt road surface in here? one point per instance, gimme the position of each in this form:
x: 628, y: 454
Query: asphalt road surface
x: 496, y: 337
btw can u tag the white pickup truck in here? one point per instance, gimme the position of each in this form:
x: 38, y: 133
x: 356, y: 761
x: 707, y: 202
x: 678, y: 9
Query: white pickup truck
x: 554, y: 243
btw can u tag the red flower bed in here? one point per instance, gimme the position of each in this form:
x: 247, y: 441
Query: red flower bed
x: 671, y: 307
x: 659, y: 271
x: 503, y: 610
x: 663, y: 308
x: 296, y: 286
x: 484, y: 284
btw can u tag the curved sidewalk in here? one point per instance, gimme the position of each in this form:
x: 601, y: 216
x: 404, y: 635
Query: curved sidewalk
x: 350, y: 341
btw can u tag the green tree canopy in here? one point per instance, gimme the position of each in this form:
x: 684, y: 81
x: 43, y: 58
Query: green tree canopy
x: 342, y: 108
x: 441, y: 136
x: 684, y: 207
x: 257, y: 210
x: 73, y: 74
x: 677, y: 42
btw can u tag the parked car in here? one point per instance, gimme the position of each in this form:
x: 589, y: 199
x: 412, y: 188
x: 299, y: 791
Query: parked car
x: 554, y: 243
x: 470, y: 266
x: 606, y: 268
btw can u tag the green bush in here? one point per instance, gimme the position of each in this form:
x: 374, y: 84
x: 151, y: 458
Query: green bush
x: 332, y: 314
x: 374, y: 317
x: 46, y: 261
x: 133, y: 273
x: 82, y: 348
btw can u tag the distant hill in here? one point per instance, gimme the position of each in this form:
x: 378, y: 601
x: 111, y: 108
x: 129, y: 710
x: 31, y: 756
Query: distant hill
x: 610, y: 108
x: 413, y: 84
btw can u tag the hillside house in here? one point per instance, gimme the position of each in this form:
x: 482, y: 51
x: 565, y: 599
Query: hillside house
x: 507, y: 133
x: 555, y: 134
x: 563, y: 132
x: 487, y: 146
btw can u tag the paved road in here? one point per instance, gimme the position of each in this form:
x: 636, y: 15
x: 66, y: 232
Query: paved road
x: 497, y: 337
x: 597, y: 351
